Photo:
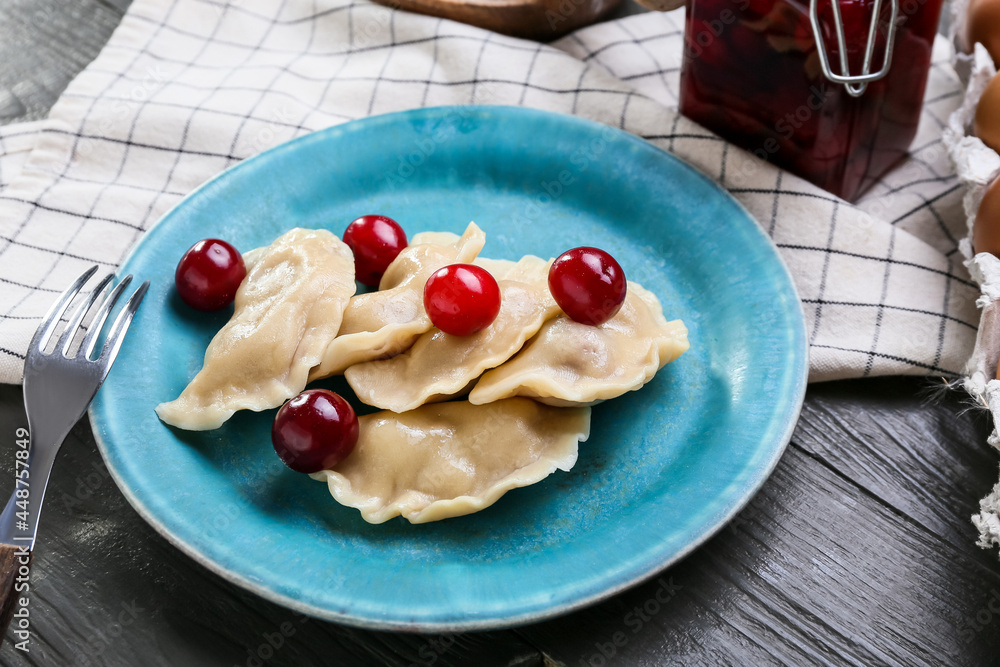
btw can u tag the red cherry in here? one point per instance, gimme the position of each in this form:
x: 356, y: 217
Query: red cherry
x: 588, y: 284
x: 375, y: 241
x: 462, y: 299
x: 209, y: 274
x: 314, y: 431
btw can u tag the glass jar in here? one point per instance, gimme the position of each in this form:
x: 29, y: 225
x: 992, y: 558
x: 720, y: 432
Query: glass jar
x: 753, y: 73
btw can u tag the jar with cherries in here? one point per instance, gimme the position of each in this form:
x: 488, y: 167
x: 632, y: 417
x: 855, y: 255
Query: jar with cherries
x: 829, y: 89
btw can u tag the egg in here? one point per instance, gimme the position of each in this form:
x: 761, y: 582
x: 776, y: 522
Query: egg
x: 983, y: 26
x: 986, y: 124
x: 986, y: 229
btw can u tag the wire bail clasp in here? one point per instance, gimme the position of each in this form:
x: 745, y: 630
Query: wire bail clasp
x: 855, y: 84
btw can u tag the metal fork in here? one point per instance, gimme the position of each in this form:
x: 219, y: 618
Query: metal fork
x: 58, y: 387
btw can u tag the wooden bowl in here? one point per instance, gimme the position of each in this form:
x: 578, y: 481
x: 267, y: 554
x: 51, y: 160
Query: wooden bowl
x: 540, y: 20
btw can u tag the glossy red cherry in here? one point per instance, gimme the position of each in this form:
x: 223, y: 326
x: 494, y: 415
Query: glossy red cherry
x: 588, y: 284
x: 375, y: 241
x: 314, y: 431
x: 462, y: 299
x: 209, y: 274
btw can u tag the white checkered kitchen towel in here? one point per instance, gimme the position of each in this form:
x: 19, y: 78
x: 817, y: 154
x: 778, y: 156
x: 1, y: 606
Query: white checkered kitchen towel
x: 186, y: 88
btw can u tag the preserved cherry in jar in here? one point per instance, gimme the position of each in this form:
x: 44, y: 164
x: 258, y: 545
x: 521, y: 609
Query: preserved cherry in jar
x: 758, y: 73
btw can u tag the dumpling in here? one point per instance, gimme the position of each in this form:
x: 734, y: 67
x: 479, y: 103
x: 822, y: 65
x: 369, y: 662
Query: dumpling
x: 498, y: 268
x: 568, y: 363
x: 288, y: 309
x: 440, y: 365
x: 383, y: 323
x: 416, y: 263
x: 449, y: 459
x: 527, y: 269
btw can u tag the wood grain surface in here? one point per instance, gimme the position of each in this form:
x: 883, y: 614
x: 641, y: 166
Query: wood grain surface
x: 531, y: 19
x: 857, y: 551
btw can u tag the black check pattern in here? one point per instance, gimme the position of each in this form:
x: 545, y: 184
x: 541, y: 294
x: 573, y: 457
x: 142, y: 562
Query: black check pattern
x: 186, y: 88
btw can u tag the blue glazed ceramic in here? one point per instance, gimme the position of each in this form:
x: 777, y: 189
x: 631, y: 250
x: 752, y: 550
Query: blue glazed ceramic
x: 665, y: 467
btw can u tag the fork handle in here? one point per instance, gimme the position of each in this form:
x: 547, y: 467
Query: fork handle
x: 15, y: 564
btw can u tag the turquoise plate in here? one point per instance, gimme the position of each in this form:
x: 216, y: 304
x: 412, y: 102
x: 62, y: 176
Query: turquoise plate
x: 664, y: 468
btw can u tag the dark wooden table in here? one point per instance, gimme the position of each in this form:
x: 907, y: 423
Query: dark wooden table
x: 858, y: 550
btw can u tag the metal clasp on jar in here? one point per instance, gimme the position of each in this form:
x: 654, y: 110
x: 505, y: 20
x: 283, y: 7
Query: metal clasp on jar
x: 857, y: 83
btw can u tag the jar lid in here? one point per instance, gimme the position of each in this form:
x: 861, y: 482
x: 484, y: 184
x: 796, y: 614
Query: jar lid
x: 857, y: 83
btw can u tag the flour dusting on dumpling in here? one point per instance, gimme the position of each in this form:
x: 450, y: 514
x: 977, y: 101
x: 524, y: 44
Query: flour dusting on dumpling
x: 449, y: 459
x: 383, y: 323
x: 568, y: 363
x: 440, y: 365
x: 287, y: 310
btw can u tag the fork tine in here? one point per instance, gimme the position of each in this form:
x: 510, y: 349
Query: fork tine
x: 51, y: 319
x: 117, y: 334
x: 74, y: 323
x: 90, y: 340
